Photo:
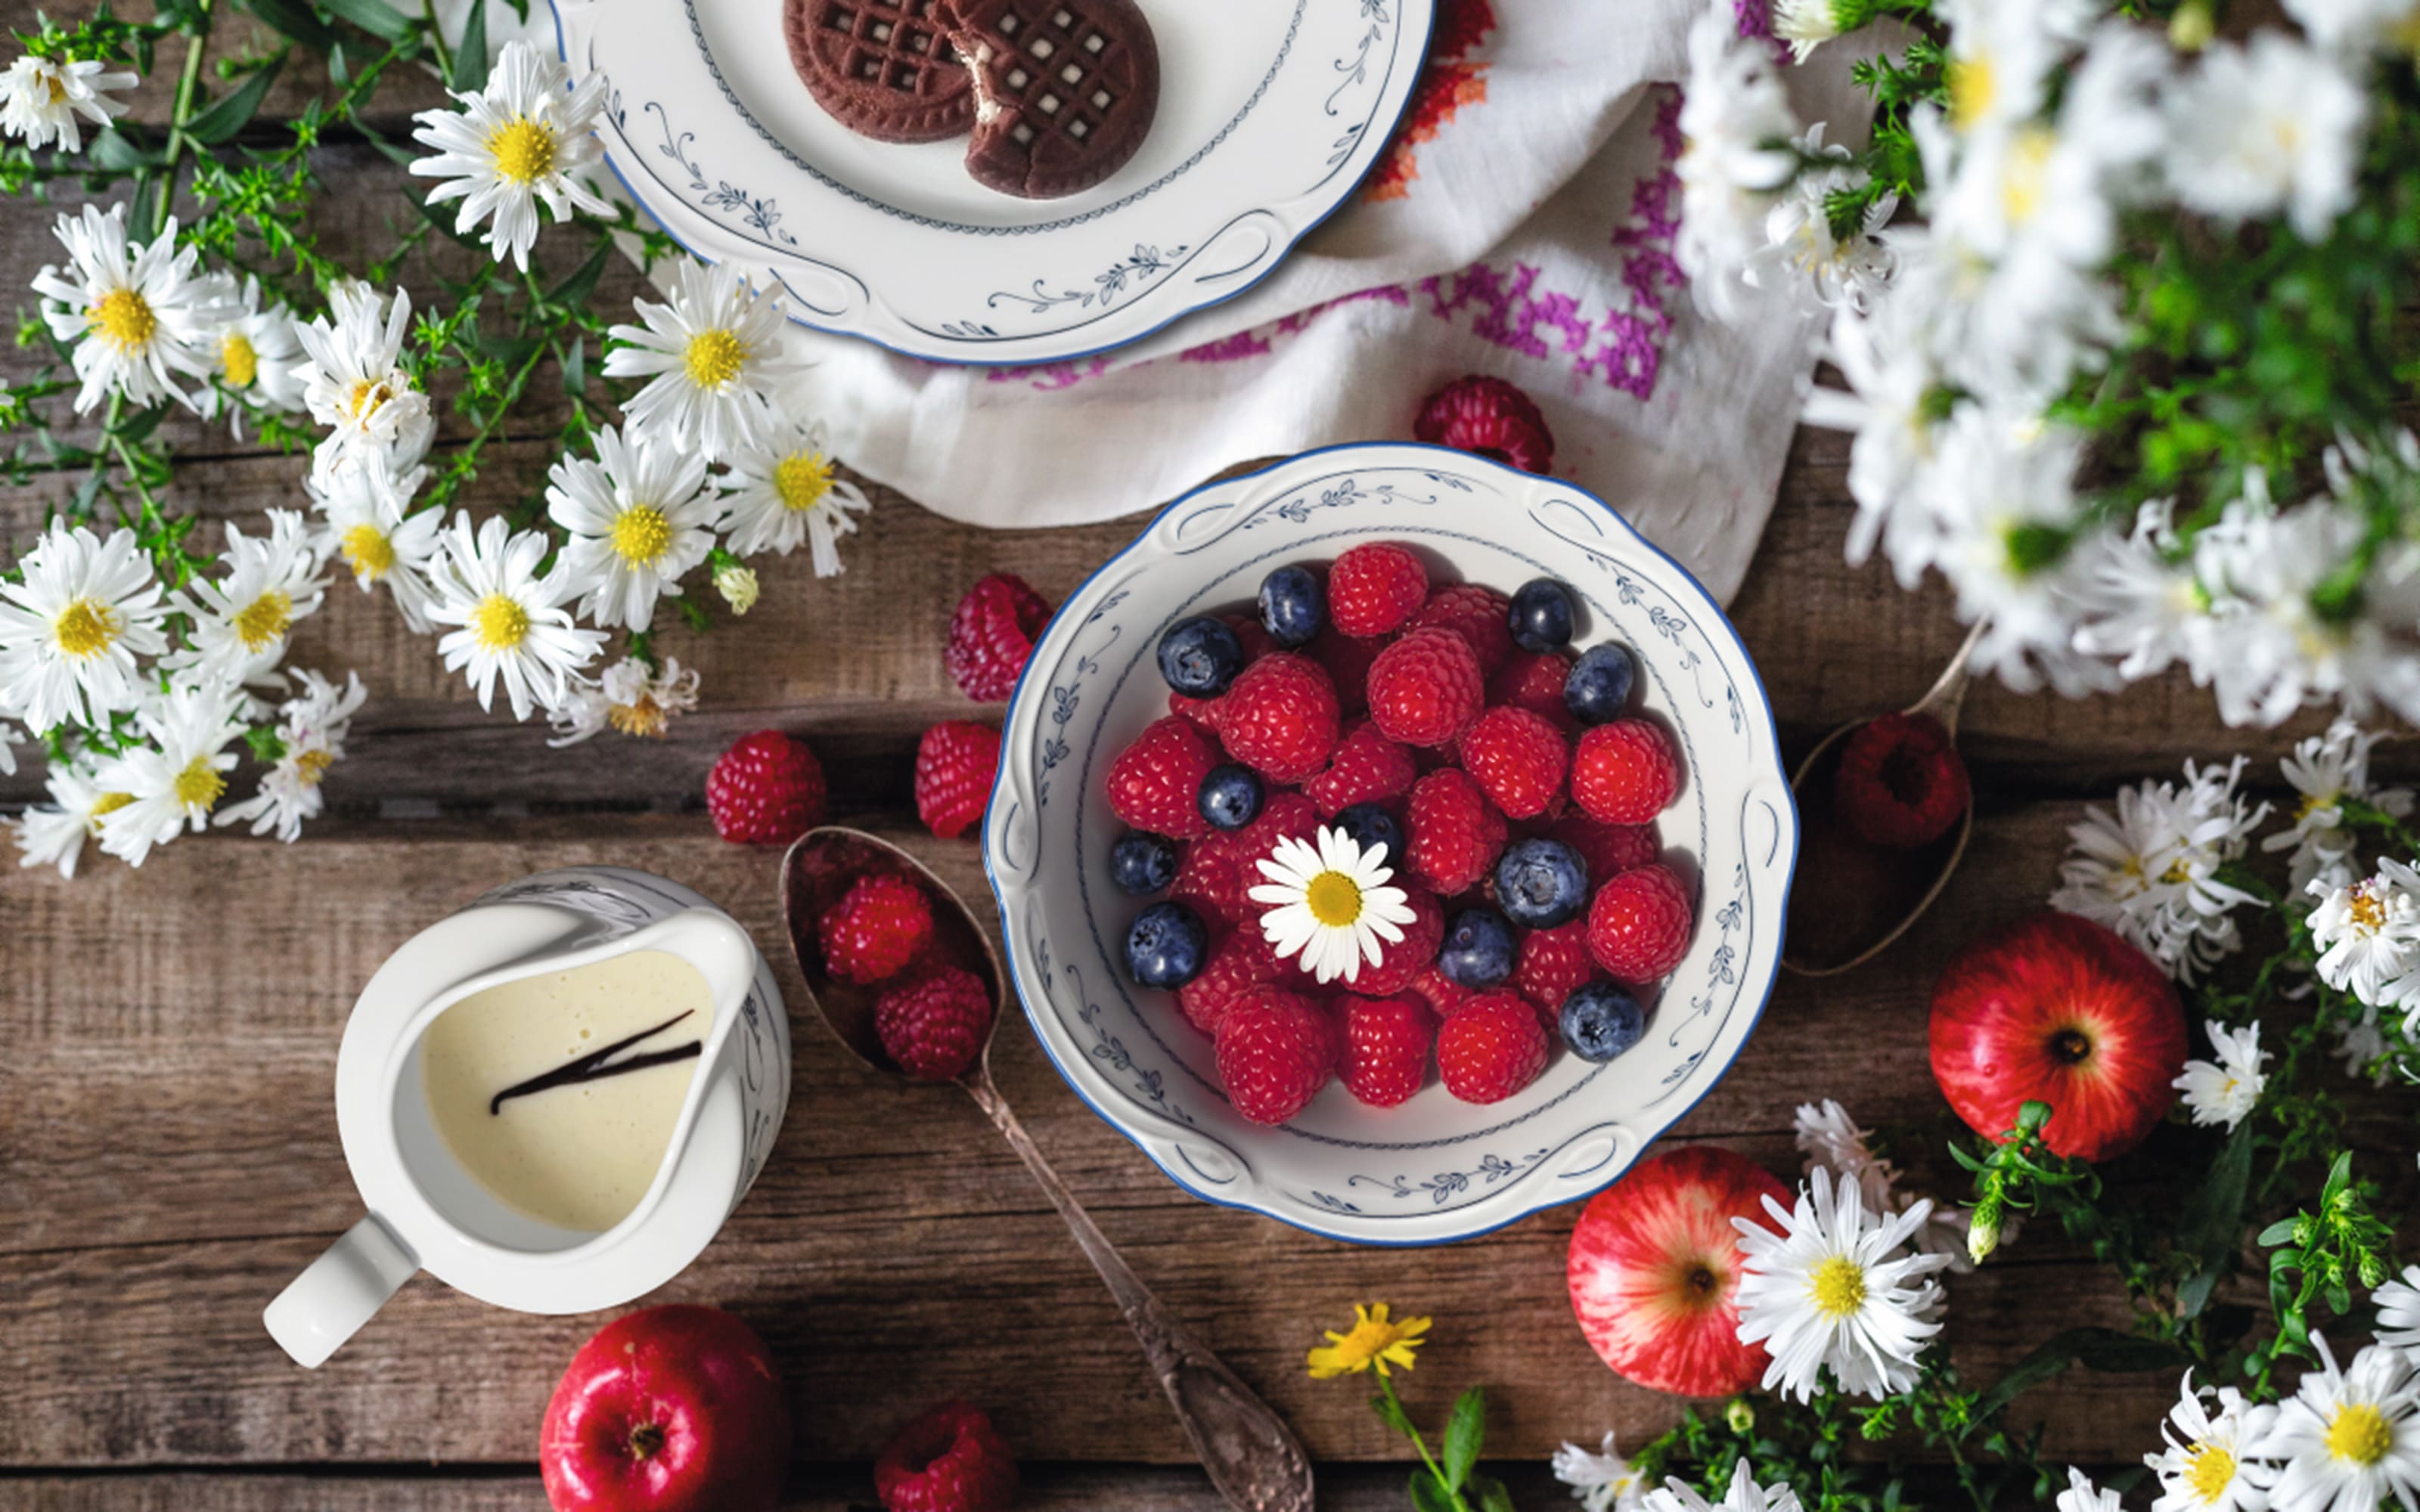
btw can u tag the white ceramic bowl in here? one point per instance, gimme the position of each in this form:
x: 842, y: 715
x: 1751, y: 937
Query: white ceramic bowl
x: 1434, y: 1169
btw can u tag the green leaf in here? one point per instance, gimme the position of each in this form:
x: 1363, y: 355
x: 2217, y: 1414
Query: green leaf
x: 375, y: 17
x: 2212, y: 1225
x: 575, y: 289
x: 231, y: 115
x: 2102, y: 1349
x: 575, y: 367
x: 439, y: 216
x: 1464, y: 1433
x: 1427, y: 1495
x: 1390, y: 1413
x: 135, y: 431
x: 403, y: 157
x: 1492, y: 1497
x: 118, y: 152
x: 294, y: 19
x: 471, y: 53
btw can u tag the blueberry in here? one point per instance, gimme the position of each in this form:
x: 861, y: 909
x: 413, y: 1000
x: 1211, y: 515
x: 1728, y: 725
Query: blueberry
x: 1165, y: 946
x: 1600, y: 1021
x: 1142, y: 863
x: 1478, y: 950
x: 1541, y: 883
x: 1541, y: 615
x: 1372, y: 828
x: 1230, y: 797
x: 1598, y: 685
x: 1292, y: 604
x: 1200, y: 657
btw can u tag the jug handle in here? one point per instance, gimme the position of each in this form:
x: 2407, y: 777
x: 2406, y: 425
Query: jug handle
x: 337, y: 1293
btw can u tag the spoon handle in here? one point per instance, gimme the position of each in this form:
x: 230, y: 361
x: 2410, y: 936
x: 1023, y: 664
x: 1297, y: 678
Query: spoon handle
x: 1253, y: 1459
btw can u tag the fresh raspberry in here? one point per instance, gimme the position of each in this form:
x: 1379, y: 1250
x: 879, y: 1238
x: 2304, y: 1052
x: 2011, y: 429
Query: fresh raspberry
x: 1443, y: 996
x: 1517, y: 758
x: 1638, y: 924
x: 1609, y: 850
x: 934, y: 1027
x: 1286, y: 816
x: 1154, y: 783
x: 1375, y: 589
x: 1276, y: 1050
x: 1453, y: 833
x: 1625, y: 772
x: 766, y: 789
x: 880, y: 924
x: 956, y: 764
x: 1239, y: 961
x: 1533, y: 680
x: 1425, y: 688
x: 1365, y: 767
x: 1201, y: 714
x: 950, y: 1459
x: 1490, y: 417
x: 1552, y: 963
x: 1491, y: 1048
x: 1347, y: 659
x: 1478, y: 615
x: 1252, y: 635
x: 1211, y: 878
x: 991, y: 634
x: 1386, y: 1049
x: 1901, y: 782
x: 1401, y: 962
x: 1279, y: 716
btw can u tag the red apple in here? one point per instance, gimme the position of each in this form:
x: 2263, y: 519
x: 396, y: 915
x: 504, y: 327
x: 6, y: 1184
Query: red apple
x: 1654, y: 1271
x: 2057, y: 1008
x: 668, y: 1410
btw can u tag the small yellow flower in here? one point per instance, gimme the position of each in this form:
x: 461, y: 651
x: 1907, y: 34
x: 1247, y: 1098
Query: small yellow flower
x: 1374, y: 1341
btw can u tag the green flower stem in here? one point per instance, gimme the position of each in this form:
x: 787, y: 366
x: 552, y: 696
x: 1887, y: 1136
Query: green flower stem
x: 1387, y: 1389
x: 187, y: 83
x: 437, y: 41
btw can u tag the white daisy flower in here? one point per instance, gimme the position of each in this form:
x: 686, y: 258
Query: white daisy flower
x: 69, y: 631
x: 1828, y: 1137
x: 311, y: 729
x: 44, y: 100
x: 240, y: 621
x: 778, y: 495
x: 1808, y: 24
x: 514, y: 146
x: 714, y: 353
x: 353, y: 381
x: 1603, y: 1481
x: 2275, y: 651
x: 54, y: 834
x: 2144, y: 606
x: 2083, y: 1496
x: 1330, y: 905
x: 2208, y: 1464
x: 1799, y: 239
x: 1736, y: 128
x: 639, y: 516
x: 2224, y: 1091
x: 176, y: 781
x: 736, y: 582
x: 2328, y: 770
x: 2274, y: 126
x: 512, y: 624
x: 2151, y: 869
x: 1826, y: 1289
x: 1746, y: 1495
x: 138, y: 314
x: 2358, y: 26
x: 2398, y: 1310
x: 365, y: 508
x: 631, y: 697
x: 2348, y: 1440
x: 2000, y: 54
x: 254, y: 353
x: 1890, y: 405
x: 2367, y: 934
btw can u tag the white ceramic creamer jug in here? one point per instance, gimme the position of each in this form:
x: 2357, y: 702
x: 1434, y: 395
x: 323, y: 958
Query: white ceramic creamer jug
x: 428, y: 1211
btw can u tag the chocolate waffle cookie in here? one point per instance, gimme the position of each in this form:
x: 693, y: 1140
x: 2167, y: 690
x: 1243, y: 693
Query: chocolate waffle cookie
x: 1065, y: 90
x: 884, y: 69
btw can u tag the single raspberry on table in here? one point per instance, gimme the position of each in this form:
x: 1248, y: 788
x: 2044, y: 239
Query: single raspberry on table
x: 1425, y: 688
x: 1276, y: 1050
x: 1453, y: 833
x: 1239, y: 961
x: 934, y: 1026
x: 1625, y: 772
x: 883, y: 923
x: 1490, y: 417
x: 1347, y: 659
x: 1609, y: 850
x: 1475, y: 614
x: 1638, y: 924
x: 1279, y: 716
x: 767, y: 789
x: 1365, y: 767
x: 1154, y: 783
x: 1552, y: 963
x: 1533, y: 680
x: 1402, y: 961
x: 950, y: 1459
x: 1491, y: 1048
x: 956, y: 764
x: 1518, y: 759
x: 1375, y: 589
x: 992, y: 634
x: 1901, y: 782
x: 1386, y: 1049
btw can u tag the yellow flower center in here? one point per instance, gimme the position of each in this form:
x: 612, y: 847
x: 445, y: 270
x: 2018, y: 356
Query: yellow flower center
x: 644, y: 718
x: 108, y: 803
x: 2367, y: 913
x: 199, y: 784
x: 85, y: 628
x: 2361, y: 1434
x: 1374, y: 1339
x: 2024, y: 183
x: 264, y: 619
x: 58, y: 87
x: 640, y: 534
x: 366, y: 549
x: 239, y: 361
x: 1838, y: 1286
x: 1333, y: 898
x: 312, y: 765
x: 123, y: 319
x: 2177, y: 872
x: 367, y: 396
x: 1973, y: 87
x: 2313, y: 802
x: 523, y: 151
x: 499, y: 622
x: 713, y: 358
x: 2208, y: 1471
x: 803, y: 479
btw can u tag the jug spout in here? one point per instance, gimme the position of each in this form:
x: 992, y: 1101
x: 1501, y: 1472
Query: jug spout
x: 337, y: 1293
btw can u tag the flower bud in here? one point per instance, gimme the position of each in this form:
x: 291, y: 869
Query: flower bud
x: 1739, y: 1415
x: 738, y: 586
x: 1983, y: 1230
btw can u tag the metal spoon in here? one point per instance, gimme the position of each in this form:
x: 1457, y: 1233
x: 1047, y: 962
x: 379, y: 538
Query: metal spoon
x: 1252, y: 1457
x: 1843, y: 871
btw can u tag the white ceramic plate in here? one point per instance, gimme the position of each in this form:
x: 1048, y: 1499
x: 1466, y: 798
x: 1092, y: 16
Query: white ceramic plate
x: 1434, y: 1169
x: 1270, y: 112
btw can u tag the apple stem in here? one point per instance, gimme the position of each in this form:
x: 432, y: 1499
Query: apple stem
x: 647, y: 1440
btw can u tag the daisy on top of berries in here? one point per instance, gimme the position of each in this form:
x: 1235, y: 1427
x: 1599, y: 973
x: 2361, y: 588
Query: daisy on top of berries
x: 1330, y: 905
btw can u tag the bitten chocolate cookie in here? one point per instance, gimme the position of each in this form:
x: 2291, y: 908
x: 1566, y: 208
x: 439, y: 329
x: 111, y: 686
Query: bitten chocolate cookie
x: 1065, y: 90
x: 884, y: 69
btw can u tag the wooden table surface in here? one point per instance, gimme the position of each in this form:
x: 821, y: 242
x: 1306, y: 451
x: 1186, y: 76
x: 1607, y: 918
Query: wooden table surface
x: 168, y: 1150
